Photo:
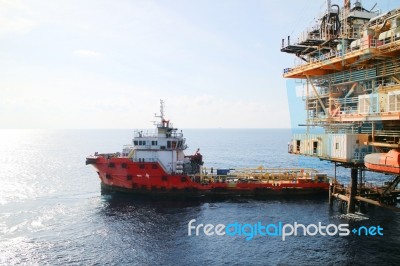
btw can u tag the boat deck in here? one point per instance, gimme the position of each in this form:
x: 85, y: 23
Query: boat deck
x: 273, y: 176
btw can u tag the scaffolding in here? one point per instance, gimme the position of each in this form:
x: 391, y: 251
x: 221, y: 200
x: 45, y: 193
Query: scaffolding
x: 350, y: 71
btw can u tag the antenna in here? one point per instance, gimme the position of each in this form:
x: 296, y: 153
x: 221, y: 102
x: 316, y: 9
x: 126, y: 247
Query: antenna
x: 162, y: 109
x: 162, y: 105
x: 164, y: 123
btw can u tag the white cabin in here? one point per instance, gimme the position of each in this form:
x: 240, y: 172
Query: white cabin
x: 165, y: 146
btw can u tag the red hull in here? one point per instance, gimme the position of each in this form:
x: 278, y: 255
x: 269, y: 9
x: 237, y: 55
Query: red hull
x: 383, y: 168
x: 149, y: 178
x: 384, y: 162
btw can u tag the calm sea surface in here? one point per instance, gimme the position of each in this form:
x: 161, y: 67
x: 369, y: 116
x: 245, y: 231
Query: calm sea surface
x: 52, y: 210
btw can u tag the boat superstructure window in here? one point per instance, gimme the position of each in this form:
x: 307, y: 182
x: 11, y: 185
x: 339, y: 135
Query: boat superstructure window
x: 140, y: 142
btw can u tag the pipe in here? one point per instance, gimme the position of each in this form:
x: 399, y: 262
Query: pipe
x: 351, y: 90
x: 373, y: 7
x: 396, y: 79
x: 377, y: 203
x: 328, y: 6
x: 373, y: 132
x: 337, y: 6
x: 369, y: 201
x: 340, y: 196
x: 347, y: 4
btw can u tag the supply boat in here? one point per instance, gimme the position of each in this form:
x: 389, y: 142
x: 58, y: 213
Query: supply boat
x: 156, y: 165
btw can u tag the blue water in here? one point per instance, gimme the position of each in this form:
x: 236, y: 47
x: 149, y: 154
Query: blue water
x: 52, y: 210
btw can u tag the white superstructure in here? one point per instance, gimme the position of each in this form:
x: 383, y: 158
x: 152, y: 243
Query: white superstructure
x: 165, y: 145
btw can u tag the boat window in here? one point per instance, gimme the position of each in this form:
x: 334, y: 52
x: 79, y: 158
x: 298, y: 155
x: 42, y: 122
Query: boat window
x: 135, y: 142
x: 337, y: 145
x: 168, y: 144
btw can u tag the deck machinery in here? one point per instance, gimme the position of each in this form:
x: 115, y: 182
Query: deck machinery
x: 349, y: 67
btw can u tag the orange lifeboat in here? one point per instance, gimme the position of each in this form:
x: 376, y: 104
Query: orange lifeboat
x: 384, y: 162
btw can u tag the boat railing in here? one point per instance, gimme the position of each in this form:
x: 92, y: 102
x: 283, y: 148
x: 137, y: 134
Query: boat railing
x: 274, y: 173
x: 177, y: 135
x: 391, y: 133
x: 262, y: 170
x: 275, y: 177
x: 145, y: 134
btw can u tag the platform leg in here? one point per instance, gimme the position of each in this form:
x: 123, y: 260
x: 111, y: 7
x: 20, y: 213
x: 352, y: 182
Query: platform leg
x: 330, y: 194
x: 353, y: 191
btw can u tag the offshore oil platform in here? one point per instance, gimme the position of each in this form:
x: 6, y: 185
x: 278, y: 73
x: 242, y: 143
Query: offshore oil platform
x: 349, y: 67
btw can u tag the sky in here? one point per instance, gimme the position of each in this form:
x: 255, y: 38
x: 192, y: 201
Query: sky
x: 107, y: 64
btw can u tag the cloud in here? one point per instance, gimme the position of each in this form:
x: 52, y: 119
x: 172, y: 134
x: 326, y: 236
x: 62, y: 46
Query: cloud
x: 87, y: 53
x: 92, y: 65
x: 14, y: 17
x: 16, y: 25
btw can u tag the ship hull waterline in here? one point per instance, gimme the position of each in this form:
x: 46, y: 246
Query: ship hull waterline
x: 220, y: 194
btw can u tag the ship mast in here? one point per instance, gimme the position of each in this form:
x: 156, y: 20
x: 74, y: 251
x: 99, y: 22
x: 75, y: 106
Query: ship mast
x: 162, y: 109
x: 164, y: 122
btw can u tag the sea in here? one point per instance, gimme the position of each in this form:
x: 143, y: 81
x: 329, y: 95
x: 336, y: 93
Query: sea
x: 53, y: 212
